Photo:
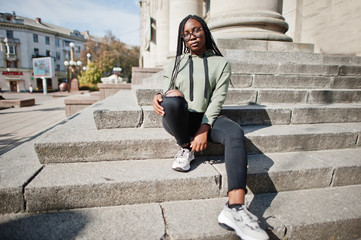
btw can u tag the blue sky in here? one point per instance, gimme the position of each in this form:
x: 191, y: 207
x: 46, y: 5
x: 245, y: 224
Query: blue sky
x: 121, y: 17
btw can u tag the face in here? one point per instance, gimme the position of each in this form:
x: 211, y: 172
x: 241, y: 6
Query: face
x: 194, y: 37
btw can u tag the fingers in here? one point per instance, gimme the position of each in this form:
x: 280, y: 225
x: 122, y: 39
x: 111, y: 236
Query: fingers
x: 199, y: 142
x: 198, y: 146
x: 157, y: 107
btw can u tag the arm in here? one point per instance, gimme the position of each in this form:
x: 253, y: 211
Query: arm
x: 199, y: 142
x: 158, y: 98
x: 218, y: 96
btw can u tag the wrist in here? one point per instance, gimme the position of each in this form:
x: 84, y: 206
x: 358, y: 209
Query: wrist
x: 205, y: 127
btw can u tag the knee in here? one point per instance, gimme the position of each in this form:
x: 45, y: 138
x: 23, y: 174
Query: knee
x: 236, y: 131
x: 174, y: 93
x: 174, y: 103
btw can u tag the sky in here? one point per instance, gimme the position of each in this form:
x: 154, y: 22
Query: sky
x: 121, y: 17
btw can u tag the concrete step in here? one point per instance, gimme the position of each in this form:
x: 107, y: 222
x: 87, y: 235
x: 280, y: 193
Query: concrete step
x: 270, y: 114
x: 80, y: 185
x: 296, y: 69
x: 237, y: 96
x: 295, y: 82
x: 312, y: 96
x: 329, y: 213
x: 136, y: 222
x: 259, y: 45
x: 271, y: 57
x: 120, y: 109
x: 18, y: 166
x: 105, y: 183
x: 76, y: 103
x: 67, y: 145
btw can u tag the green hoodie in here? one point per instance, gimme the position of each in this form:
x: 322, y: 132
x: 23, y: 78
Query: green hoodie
x: 207, y: 98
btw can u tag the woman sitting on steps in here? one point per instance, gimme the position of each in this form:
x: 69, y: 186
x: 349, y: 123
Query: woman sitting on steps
x: 196, y: 87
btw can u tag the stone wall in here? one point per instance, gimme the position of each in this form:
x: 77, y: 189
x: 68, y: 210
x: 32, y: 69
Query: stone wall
x: 333, y: 26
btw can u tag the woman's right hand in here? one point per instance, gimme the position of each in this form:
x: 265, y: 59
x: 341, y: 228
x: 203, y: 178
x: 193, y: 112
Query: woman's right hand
x: 158, y: 98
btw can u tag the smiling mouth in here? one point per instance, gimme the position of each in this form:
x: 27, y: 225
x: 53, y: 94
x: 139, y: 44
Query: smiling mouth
x: 194, y: 44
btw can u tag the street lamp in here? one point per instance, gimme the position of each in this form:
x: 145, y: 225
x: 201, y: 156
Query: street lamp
x: 117, y: 70
x: 88, y: 55
x: 72, y: 65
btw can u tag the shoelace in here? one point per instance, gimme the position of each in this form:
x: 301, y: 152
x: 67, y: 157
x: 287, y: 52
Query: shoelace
x: 181, y: 153
x: 183, y: 156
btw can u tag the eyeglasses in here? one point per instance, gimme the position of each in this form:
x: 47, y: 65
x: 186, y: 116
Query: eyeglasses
x: 196, y: 32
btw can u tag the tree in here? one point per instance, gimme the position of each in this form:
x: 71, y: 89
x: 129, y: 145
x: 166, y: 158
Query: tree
x: 109, y: 53
x: 91, y: 76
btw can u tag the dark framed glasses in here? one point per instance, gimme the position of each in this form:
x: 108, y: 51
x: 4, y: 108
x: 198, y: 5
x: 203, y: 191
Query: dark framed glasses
x: 196, y: 32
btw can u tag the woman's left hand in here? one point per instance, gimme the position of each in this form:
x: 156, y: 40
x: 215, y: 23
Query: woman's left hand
x: 199, y: 142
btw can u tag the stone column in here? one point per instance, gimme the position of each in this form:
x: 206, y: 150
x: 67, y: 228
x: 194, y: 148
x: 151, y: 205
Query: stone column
x: 248, y: 19
x: 179, y: 9
x: 162, y: 18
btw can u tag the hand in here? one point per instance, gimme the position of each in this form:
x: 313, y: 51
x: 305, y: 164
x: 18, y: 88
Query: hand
x: 158, y: 98
x: 199, y: 142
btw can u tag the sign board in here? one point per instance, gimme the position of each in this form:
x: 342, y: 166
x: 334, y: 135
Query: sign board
x: 43, y: 67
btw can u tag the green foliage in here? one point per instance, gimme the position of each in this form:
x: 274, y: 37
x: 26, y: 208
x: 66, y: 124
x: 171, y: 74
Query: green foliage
x: 92, y: 75
x: 109, y: 52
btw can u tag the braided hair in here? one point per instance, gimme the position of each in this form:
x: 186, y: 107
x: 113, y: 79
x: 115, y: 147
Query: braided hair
x: 182, y: 47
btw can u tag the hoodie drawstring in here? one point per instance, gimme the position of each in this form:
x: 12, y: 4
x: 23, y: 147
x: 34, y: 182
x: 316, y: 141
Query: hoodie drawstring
x: 191, y: 81
x: 206, y: 81
x: 190, y: 78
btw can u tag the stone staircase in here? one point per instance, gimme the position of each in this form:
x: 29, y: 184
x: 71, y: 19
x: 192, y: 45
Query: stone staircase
x: 106, y: 171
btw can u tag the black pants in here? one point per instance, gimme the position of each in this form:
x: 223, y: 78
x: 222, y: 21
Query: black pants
x: 183, y: 125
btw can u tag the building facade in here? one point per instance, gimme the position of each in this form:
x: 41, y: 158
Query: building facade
x: 23, y: 39
x: 332, y: 26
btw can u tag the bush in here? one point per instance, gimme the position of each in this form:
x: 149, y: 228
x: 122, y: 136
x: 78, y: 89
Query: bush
x: 91, y: 76
x: 92, y: 87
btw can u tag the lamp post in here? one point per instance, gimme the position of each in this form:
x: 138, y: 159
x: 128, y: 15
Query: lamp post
x: 117, y: 71
x: 72, y: 65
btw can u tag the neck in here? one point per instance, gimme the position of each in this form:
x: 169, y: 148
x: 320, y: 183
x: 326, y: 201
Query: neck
x: 201, y: 51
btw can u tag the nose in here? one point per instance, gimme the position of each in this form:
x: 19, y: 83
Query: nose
x: 192, y: 36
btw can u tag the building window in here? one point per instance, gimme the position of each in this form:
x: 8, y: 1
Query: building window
x: 57, y: 67
x: 36, y: 51
x: 11, y: 64
x: 47, y: 40
x: 57, y: 55
x: 47, y: 53
x: 57, y: 42
x: 11, y: 50
x: 66, y: 43
x: 67, y: 55
x: 35, y: 38
x: 9, y: 34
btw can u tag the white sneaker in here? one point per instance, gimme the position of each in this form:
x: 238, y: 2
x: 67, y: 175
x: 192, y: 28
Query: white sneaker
x: 243, y: 222
x: 183, y: 159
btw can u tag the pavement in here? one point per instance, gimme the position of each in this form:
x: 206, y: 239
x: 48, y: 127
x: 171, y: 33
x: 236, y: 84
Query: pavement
x: 19, y: 125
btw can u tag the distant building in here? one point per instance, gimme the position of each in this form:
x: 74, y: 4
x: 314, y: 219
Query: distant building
x: 23, y: 39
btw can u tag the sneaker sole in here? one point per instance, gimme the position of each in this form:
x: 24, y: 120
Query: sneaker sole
x: 229, y: 225
x: 178, y: 169
x: 181, y: 169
